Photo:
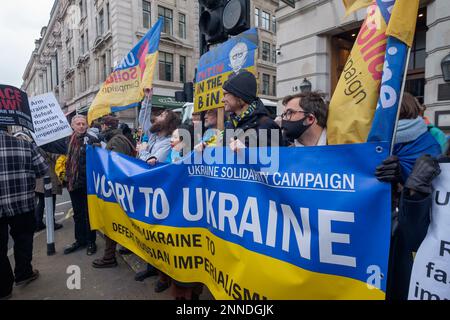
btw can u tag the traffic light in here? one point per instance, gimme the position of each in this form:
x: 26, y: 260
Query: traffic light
x: 210, y: 23
x: 236, y: 16
x: 187, y: 95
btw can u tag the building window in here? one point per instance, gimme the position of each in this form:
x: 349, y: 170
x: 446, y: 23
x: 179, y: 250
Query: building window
x: 108, y: 16
x: 82, y: 49
x: 87, y: 40
x: 274, y: 86
x: 101, y: 21
x: 182, y: 69
x: 146, y: 14
x: 108, y: 63
x: 83, y: 8
x: 57, y: 70
x: 104, y: 68
x: 266, y: 51
x: 265, y: 20
x: 274, y: 54
x: 417, y: 59
x: 83, y: 80
x: 266, y: 84
x: 182, y: 25
x: 167, y: 16
x: 256, y: 17
x: 87, y: 77
x: 165, y: 66
x: 274, y: 24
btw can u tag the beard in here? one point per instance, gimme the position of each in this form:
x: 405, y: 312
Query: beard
x: 157, y: 127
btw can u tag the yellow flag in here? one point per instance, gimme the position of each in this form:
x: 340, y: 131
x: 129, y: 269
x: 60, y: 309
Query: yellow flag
x: 353, y: 5
x: 403, y: 21
x: 354, y: 101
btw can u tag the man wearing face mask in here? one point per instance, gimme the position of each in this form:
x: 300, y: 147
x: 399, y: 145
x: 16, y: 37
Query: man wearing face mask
x: 304, y: 120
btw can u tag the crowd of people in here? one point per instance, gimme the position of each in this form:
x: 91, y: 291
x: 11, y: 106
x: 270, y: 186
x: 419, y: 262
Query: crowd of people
x: 161, y: 138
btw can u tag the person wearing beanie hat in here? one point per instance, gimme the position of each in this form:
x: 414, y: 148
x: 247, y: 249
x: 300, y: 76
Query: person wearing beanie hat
x: 247, y: 112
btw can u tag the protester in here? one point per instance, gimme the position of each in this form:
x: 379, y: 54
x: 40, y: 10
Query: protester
x: 20, y: 164
x: 182, y: 143
x: 155, y: 149
x: 116, y: 142
x: 410, y: 224
x: 158, y: 146
x: 126, y: 131
x: 437, y: 133
x: 304, y: 119
x: 249, y: 121
x: 77, y: 187
x: 412, y: 137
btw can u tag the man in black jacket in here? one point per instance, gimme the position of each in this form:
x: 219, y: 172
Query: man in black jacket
x: 250, y: 124
x: 410, y: 223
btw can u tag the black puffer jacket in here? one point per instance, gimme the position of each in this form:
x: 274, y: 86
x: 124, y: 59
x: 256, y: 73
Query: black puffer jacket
x: 258, y: 120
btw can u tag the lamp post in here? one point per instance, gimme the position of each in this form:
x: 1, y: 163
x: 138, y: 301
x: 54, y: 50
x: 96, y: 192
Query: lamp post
x: 305, y: 86
x: 445, y: 65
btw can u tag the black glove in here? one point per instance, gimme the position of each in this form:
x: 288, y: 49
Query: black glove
x: 389, y: 170
x: 425, y: 170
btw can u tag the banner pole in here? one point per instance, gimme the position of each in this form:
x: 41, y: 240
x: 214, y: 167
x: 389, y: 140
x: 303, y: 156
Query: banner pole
x: 144, y: 104
x: 400, y: 100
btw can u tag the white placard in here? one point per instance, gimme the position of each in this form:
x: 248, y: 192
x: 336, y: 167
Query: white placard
x: 430, y: 278
x: 50, y: 124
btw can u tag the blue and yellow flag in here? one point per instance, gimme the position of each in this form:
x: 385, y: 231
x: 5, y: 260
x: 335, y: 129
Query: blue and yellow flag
x: 124, y: 88
x: 401, y: 29
x: 357, y: 95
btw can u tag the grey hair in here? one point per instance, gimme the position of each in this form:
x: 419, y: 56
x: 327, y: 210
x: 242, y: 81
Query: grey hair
x: 78, y: 116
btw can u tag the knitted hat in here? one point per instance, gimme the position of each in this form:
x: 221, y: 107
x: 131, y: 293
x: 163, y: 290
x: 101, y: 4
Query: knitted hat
x: 242, y: 85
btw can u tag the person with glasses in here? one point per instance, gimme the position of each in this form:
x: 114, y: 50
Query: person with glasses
x: 304, y: 119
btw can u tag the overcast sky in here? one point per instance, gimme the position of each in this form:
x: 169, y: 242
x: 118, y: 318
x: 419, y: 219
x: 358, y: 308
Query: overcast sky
x: 20, y: 24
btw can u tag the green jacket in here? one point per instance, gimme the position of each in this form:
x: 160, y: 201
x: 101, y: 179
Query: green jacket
x: 117, y: 142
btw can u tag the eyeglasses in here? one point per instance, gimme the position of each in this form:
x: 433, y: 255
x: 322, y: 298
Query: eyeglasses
x: 289, y: 113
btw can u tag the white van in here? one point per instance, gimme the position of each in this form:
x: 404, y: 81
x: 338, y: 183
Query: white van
x: 188, y: 109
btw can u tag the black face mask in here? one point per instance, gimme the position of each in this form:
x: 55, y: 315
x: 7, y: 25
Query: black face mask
x: 294, y: 129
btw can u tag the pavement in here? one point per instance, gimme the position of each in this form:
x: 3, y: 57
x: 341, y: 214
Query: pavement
x: 71, y: 277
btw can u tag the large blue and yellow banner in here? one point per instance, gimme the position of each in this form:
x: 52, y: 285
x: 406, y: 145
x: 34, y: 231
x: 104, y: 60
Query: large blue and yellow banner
x: 318, y: 228
x: 216, y: 66
x: 377, y: 60
x: 124, y: 87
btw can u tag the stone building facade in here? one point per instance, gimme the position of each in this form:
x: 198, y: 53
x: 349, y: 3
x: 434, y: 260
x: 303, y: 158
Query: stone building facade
x: 85, y: 39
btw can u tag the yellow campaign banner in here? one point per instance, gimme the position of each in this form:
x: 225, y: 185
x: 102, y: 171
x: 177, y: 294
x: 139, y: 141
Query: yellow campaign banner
x: 217, y: 65
x: 354, y: 5
x: 402, y: 24
x: 250, y: 236
x: 124, y: 87
x: 354, y: 101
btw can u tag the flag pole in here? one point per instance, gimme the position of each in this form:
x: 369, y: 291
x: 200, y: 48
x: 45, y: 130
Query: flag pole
x: 400, y: 100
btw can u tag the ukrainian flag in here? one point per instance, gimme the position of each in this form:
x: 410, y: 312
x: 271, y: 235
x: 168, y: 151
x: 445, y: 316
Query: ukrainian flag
x: 124, y: 88
x: 371, y: 79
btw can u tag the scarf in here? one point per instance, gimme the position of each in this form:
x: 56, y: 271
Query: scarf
x: 73, y: 157
x: 238, y: 118
x: 410, y: 129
